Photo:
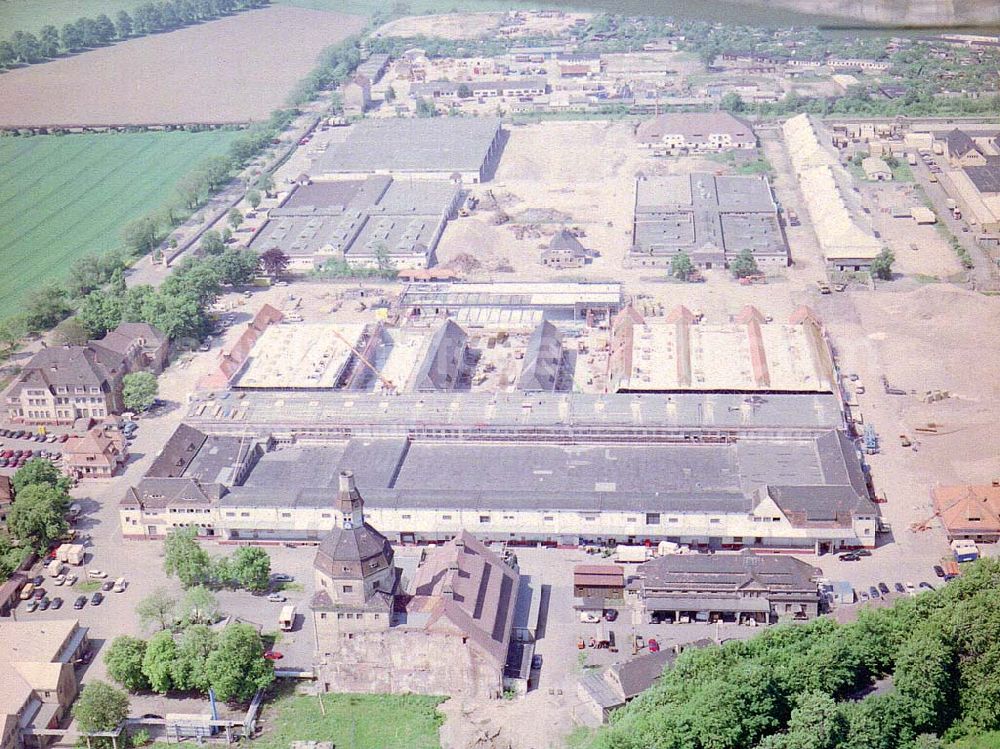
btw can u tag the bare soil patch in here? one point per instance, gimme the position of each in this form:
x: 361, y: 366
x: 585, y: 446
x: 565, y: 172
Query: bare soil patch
x: 231, y: 70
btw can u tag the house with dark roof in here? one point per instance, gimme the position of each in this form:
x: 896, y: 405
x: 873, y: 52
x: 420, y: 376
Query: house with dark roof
x: 542, y: 360
x: 962, y: 150
x: 696, y: 132
x: 743, y: 587
x: 443, y: 359
x: 62, y: 384
x: 449, y: 632
x: 565, y: 251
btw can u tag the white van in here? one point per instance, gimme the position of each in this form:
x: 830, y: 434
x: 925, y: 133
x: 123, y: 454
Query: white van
x: 120, y: 585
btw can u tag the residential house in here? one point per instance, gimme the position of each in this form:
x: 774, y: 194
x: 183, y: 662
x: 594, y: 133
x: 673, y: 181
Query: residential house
x: 601, y: 693
x: 61, y: 384
x: 696, y: 132
x: 565, y: 251
x: 969, y: 511
x: 38, y: 682
x: 96, y: 454
x: 745, y: 587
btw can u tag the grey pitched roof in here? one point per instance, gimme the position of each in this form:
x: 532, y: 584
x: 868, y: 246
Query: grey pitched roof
x: 180, y: 449
x: 639, y: 674
x: 353, y: 545
x: 442, y: 364
x: 469, y: 587
x: 541, y: 360
x: 122, y: 338
x: 564, y: 240
x: 69, y: 366
x: 723, y: 573
x: 960, y: 143
x: 162, y: 492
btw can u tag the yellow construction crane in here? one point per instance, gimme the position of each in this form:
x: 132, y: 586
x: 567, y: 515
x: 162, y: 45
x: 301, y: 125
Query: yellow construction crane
x: 387, y: 384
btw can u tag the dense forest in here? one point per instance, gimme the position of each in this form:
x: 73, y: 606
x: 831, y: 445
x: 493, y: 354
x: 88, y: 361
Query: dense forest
x: 921, y: 674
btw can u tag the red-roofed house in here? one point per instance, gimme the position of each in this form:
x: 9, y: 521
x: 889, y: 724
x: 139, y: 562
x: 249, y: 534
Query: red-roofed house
x: 969, y: 511
x: 96, y: 454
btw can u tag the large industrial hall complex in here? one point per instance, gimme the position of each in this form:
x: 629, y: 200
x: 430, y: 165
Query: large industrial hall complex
x: 711, y: 219
x: 755, y: 453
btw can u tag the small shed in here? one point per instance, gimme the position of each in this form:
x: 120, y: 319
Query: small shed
x: 605, y: 581
x: 875, y: 169
x: 843, y: 592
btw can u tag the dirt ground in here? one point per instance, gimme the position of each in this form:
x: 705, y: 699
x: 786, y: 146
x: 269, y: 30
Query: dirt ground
x: 561, y: 174
x: 255, y: 59
x: 475, y: 25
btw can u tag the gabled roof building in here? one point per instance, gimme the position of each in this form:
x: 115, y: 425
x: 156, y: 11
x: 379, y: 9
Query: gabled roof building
x: 764, y: 588
x: 61, y: 384
x: 449, y: 632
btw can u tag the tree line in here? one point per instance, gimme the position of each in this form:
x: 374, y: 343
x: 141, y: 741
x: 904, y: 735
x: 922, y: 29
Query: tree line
x: 812, y: 686
x: 37, y: 517
x: 53, y: 302
x: 26, y: 48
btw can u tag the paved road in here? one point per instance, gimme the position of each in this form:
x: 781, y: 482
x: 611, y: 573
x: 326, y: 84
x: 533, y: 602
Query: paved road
x: 984, y: 271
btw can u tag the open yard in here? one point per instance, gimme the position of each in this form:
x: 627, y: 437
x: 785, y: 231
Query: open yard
x: 254, y: 58
x: 63, y: 197
x: 353, y: 721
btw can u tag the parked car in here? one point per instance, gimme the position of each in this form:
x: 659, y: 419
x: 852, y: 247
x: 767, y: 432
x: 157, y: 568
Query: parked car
x: 911, y: 588
x: 273, y: 655
x: 38, y: 594
x: 900, y: 588
x: 44, y: 603
x: 536, y: 661
x: 610, y: 614
x: 71, y: 579
x: 107, y: 585
x: 96, y: 574
x: 57, y: 603
x: 884, y: 588
x: 276, y: 598
x: 654, y: 646
x: 939, y: 570
x: 873, y: 592
x: 849, y: 557
x: 59, y: 579
x: 37, y: 580
x: 925, y: 586
x: 862, y: 552
x: 863, y: 596
x: 80, y: 602
x: 31, y: 605
x: 281, y: 577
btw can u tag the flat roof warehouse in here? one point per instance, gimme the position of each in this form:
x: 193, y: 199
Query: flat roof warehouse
x: 437, y: 146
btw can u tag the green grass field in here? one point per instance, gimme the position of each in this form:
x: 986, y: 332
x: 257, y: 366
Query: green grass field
x: 64, y: 197
x: 31, y: 15
x: 353, y: 721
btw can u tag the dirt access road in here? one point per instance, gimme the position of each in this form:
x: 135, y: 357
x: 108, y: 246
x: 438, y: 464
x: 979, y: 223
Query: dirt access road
x: 235, y: 69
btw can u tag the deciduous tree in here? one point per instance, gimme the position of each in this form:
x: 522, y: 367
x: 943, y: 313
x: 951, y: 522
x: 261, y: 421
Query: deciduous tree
x: 139, y: 390
x: 41, y: 472
x: 158, y: 609
x: 158, y: 661
x: 100, y: 707
x: 184, y: 558
x: 38, y: 516
x: 124, y: 658
x: 236, y: 669
x: 251, y: 568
